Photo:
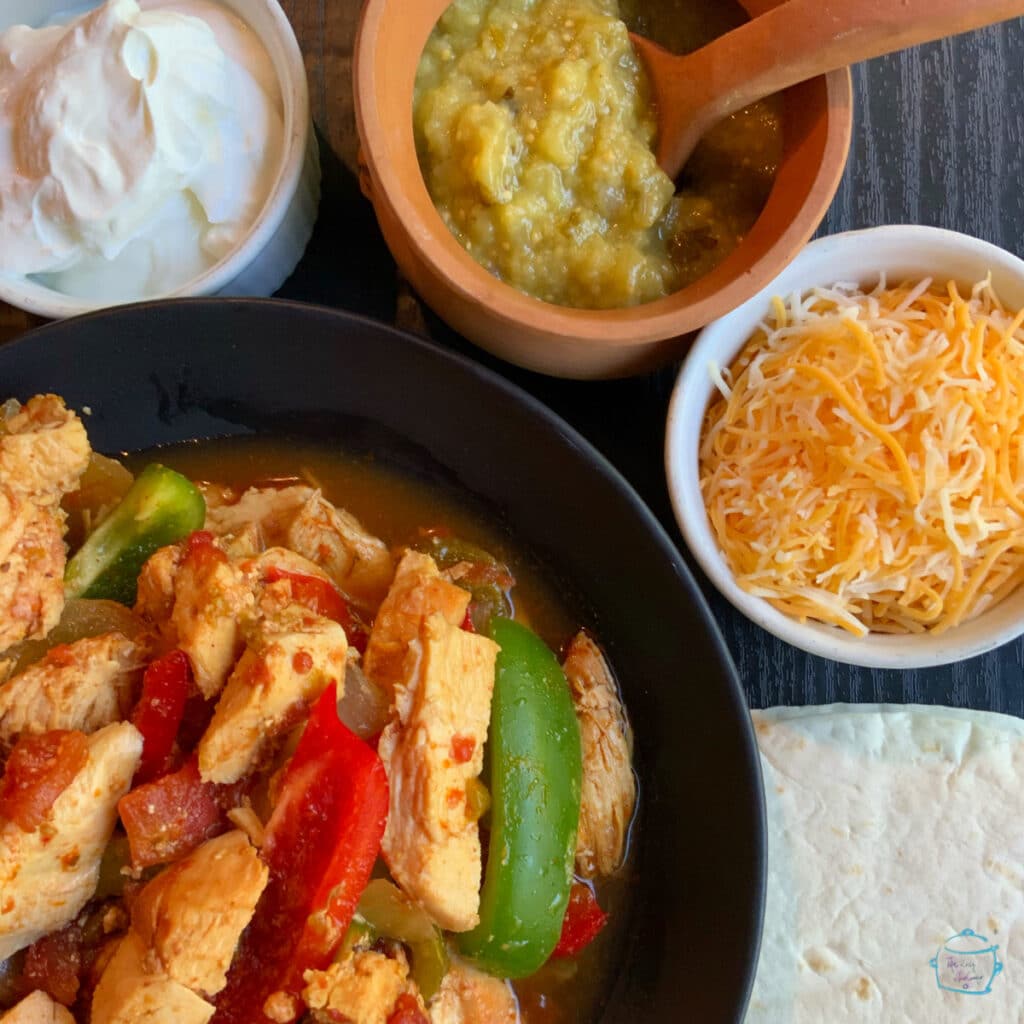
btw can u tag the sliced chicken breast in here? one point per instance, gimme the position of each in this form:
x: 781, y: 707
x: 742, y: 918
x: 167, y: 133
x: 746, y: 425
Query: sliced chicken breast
x: 48, y: 875
x: 84, y: 685
x: 363, y: 988
x: 469, y: 996
x: 417, y: 591
x: 431, y: 752
x: 290, y: 658
x: 608, y: 793
x: 192, y: 915
x: 37, y: 1008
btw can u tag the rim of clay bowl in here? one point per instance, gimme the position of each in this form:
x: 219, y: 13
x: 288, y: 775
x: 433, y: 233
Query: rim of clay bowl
x: 267, y: 19
x: 900, y: 251
x: 428, y: 252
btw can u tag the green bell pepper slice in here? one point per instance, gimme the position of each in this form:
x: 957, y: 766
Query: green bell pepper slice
x: 535, y: 764
x: 160, y: 508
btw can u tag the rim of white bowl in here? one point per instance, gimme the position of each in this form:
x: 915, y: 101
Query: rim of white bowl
x: 900, y: 251
x: 288, y: 62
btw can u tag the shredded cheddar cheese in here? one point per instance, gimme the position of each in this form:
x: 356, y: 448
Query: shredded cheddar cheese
x: 863, y: 463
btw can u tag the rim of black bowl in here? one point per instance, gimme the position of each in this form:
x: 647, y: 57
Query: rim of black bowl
x: 695, y: 937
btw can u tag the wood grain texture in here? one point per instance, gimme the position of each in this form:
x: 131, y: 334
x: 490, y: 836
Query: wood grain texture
x: 938, y: 139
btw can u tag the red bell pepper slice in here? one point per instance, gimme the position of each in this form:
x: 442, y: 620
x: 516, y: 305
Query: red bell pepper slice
x: 583, y: 920
x: 39, y: 769
x: 171, y: 816
x: 320, y: 844
x: 195, y: 720
x: 165, y: 689
x: 321, y: 597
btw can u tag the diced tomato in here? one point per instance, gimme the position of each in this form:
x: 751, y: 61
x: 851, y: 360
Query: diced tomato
x: 583, y: 920
x: 39, y: 769
x: 321, y: 597
x: 54, y: 964
x: 171, y: 816
x: 462, y: 748
x: 407, y: 1011
x: 165, y: 689
x: 320, y: 844
x: 201, y: 551
x: 467, y: 622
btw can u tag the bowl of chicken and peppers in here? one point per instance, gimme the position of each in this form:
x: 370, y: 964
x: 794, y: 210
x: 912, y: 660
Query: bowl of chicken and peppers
x: 263, y: 761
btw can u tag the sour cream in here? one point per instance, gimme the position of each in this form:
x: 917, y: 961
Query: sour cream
x: 137, y: 146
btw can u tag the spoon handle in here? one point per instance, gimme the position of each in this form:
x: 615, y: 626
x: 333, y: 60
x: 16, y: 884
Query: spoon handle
x: 800, y: 39
x: 790, y: 43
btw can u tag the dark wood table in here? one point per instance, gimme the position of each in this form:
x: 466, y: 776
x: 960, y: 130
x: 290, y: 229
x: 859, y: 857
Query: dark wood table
x: 938, y: 139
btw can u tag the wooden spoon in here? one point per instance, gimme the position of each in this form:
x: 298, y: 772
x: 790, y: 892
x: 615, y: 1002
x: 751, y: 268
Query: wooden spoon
x: 797, y: 40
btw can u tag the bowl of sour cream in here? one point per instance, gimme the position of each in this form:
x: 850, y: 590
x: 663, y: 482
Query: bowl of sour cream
x: 150, y: 148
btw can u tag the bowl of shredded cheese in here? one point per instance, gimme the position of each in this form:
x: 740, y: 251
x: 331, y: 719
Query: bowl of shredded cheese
x: 845, y: 451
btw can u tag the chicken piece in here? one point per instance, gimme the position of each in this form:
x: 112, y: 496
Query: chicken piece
x: 418, y: 590
x: 32, y: 558
x: 431, y: 843
x: 469, y: 996
x: 283, y: 560
x: 212, y: 599
x: 154, y: 599
x: 608, y: 793
x: 270, y: 509
x: 130, y: 992
x: 247, y: 543
x: 186, y: 925
x: 300, y: 518
x: 48, y: 875
x: 43, y: 450
x: 84, y: 685
x: 290, y: 658
x: 361, y: 989
x: 192, y: 915
x: 43, y: 453
x: 357, y: 561
x: 38, y: 1008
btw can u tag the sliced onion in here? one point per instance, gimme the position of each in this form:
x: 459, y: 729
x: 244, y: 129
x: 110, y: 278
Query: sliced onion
x: 81, y: 618
x: 102, y: 486
x: 391, y: 913
x: 364, y: 706
x: 8, y: 410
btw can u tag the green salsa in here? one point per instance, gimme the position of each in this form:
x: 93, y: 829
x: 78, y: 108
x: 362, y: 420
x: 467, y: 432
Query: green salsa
x: 534, y: 129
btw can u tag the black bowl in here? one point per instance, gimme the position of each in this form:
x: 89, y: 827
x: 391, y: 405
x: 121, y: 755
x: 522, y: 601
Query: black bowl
x: 165, y: 372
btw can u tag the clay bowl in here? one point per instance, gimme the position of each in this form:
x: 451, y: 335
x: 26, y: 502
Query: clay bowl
x: 537, y: 335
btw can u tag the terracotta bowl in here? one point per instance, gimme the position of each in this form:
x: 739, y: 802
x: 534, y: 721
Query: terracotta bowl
x: 554, y: 339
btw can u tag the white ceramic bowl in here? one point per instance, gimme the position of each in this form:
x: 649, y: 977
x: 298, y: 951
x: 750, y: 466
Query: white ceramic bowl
x: 901, y: 252
x: 275, y: 242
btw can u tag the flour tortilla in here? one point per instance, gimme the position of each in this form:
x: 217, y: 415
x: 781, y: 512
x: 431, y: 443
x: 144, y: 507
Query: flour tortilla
x: 890, y: 830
